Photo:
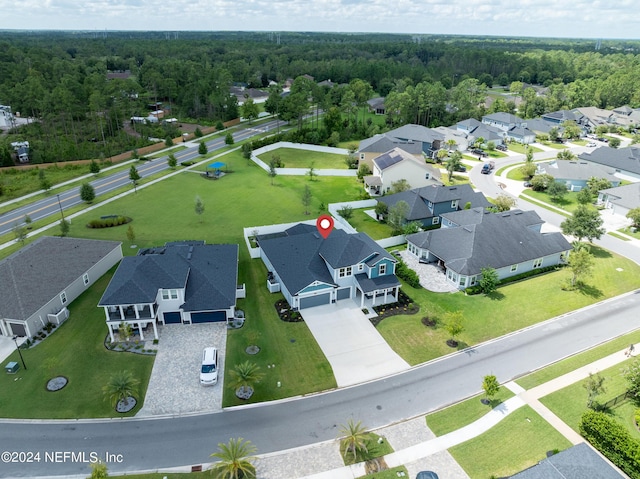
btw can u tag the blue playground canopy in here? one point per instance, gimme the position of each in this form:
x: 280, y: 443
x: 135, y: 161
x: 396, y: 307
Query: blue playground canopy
x: 217, y: 165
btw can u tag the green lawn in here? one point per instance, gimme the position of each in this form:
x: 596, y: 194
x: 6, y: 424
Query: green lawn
x: 366, y: 224
x: 577, y: 361
x: 628, y: 231
x: 571, y: 402
x: 568, y: 203
x: 416, y: 343
x: 464, y: 413
x: 519, y: 148
x: 79, y: 346
x: 387, y: 474
x: 298, y: 158
x: 517, y: 442
x: 374, y: 450
x: 556, y: 146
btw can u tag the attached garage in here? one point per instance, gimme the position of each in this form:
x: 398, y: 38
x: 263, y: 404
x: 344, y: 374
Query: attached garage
x: 344, y: 293
x: 208, y: 317
x: 318, y: 300
x: 18, y: 329
x: 173, y: 317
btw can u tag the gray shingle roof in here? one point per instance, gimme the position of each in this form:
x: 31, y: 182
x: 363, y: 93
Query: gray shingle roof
x: 208, y: 273
x: 300, y: 259
x: 40, y: 271
x: 416, y: 133
x: 499, y: 240
x: 627, y: 196
x: 372, y: 284
x: 383, y: 142
x: 577, y: 462
x: 520, y: 132
x: 503, y: 117
x: 624, y: 159
x: 577, y: 170
x: 397, y: 155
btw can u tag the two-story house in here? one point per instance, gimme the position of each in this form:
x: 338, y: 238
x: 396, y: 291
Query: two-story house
x: 396, y: 165
x: 430, y: 140
x: 182, y: 282
x: 376, y: 145
x: 426, y: 205
x: 470, y: 240
x: 504, y: 121
x: 312, y: 271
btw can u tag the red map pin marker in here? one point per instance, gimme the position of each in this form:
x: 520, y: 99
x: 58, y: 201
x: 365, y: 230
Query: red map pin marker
x: 324, y: 225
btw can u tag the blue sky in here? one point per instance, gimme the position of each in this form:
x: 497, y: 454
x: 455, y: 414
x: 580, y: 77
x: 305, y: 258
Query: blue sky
x: 537, y: 18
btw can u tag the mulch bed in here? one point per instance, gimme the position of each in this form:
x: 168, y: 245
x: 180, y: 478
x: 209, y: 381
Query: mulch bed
x: 405, y: 305
x: 126, y: 405
x: 285, y: 313
x: 430, y: 322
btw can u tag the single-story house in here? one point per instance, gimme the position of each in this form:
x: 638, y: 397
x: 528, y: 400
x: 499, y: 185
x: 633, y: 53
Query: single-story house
x: 373, y: 147
x: 521, y: 134
x: 40, y: 280
x: 624, y: 161
x: 376, y: 106
x: 451, y: 133
x: 578, y: 462
x: 395, y: 165
x: 504, y: 121
x: 312, y: 271
x: 469, y: 240
x: 560, y: 116
x: 428, y: 204
x: 622, y: 199
x: 182, y: 282
x: 541, y: 126
x: 576, y: 174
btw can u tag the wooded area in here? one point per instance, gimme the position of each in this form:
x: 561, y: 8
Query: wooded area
x: 60, y: 79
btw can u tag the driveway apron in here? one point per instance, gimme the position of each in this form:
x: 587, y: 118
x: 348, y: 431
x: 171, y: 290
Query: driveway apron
x: 354, y: 348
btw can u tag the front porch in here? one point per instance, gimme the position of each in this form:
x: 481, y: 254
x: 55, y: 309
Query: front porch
x: 376, y: 291
x: 131, y: 312
x: 138, y: 328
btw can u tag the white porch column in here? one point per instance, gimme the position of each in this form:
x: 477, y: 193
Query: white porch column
x: 111, y: 333
x: 155, y: 330
x: 140, y: 330
x: 374, y: 297
x: 361, y: 298
x: 396, y: 292
x: 137, y: 313
x: 121, y: 312
x: 385, y: 295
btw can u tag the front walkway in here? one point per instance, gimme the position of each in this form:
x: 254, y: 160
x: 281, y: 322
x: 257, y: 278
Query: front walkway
x: 174, y: 385
x: 354, y: 348
x: 431, y: 276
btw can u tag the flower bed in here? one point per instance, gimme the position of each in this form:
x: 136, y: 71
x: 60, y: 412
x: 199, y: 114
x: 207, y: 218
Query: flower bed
x: 285, y: 313
x: 405, y: 305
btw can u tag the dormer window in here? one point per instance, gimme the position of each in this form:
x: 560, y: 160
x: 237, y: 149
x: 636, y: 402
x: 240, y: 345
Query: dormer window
x: 169, y: 294
x: 454, y: 204
x: 344, y: 272
x: 382, y: 269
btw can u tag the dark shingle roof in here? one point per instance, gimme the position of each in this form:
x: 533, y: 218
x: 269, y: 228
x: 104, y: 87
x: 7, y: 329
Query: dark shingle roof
x: 499, y: 240
x: 624, y: 159
x: 577, y: 170
x: 627, y: 196
x: 299, y: 259
x: 207, y: 272
x: 416, y: 133
x: 41, y: 270
x: 577, y: 462
x: 381, y: 143
x: 503, y: 117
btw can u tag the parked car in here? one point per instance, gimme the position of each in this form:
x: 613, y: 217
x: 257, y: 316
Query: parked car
x: 209, y: 369
x: 479, y: 152
x: 427, y: 475
x: 603, y: 140
x: 502, y: 147
x: 527, y: 184
x: 487, y: 167
x: 461, y: 169
x: 591, y: 145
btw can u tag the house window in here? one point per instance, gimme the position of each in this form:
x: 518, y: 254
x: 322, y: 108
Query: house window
x: 63, y: 297
x: 382, y: 269
x: 537, y: 263
x: 169, y: 294
x: 427, y: 176
x: 463, y: 280
x: 85, y: 279
x: 514, y: 267
x: 454, y: 204
x: 473, y: 280
x: 360, y: 267
x: 435, y: 220
x: 344, y: 272
x: 362, y: 156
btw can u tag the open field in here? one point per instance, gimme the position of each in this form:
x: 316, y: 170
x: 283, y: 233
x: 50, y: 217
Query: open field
x: 295, y: 158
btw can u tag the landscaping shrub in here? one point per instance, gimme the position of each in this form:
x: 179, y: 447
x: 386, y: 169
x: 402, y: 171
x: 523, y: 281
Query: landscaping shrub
x: 533, y: 272
x: 407, y: 274
x: 188, y: 163
x: 613, y: 440
x: 108, y: 222
x: 269, y: 140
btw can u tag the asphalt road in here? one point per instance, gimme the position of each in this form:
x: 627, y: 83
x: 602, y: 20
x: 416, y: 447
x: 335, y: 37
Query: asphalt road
x: 189, y: 440
x: 71, y: 197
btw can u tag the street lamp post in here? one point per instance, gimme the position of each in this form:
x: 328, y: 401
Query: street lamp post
x: 15, y: 340
x: 60, y: 206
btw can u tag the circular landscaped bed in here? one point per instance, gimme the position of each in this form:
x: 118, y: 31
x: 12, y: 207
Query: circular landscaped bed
x: 57, y: 383
x: 126, y: 405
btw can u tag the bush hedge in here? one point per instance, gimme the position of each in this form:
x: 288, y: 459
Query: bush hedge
x: 477, y: 289
x: 613, y: 440
x: 108, y: 222
x: 407, y: 274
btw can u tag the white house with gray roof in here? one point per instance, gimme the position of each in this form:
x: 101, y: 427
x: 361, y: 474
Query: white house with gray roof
x: 504, y: 121
x: 470, y: 240
x: 624, y: 161
x: 40, y: 280
x: 576, y: 174
x: 396, y: 165
x: 620, y: 200
x: 312, y: 271
x: 373, y: 147
x: 181, y: 282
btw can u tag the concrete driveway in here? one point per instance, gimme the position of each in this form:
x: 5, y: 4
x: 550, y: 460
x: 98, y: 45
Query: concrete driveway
x: 356, y: 351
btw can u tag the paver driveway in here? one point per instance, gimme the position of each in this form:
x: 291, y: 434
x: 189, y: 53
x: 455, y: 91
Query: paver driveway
x: 354, y: 348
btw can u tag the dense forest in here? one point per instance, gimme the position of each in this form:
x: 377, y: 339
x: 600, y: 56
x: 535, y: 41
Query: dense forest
x: 60, y: 79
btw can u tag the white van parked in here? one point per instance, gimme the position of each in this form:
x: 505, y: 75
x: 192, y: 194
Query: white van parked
x: 209, y: 369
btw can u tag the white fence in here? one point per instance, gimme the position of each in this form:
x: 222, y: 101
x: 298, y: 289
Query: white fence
x: 302, y: 171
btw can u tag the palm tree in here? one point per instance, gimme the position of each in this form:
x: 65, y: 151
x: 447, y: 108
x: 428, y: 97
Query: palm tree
x: 451, y: 144
x: 235, y: 460
x: 243, y: 377
x: 355, y: 436
x: 453, y: 164
x: 120, y: 387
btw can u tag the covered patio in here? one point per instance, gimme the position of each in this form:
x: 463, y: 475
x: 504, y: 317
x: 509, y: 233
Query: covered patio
x: 214, y: 170
x: 380, y: 290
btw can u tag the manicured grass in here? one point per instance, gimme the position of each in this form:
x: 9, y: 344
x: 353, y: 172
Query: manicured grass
x: 162, y: 475
x: 517, y: 442
x: 295, y: 158
x: 577, y: 361
x: 300, y: 365
x: 580, y: 142
x: 569, y: 201
x: 556, y: 146
x: 518, y: 148
x: 464, y: 413
x: 616, y: 235
x: 496, y: 154
x: 374, y: 449
x: 388, y: 474
x: 455, y: 179
x: 571, y: 402
x: 417, y: 343
x: 366, y: 224
x: 78, y: 344
x: 628, y: 231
